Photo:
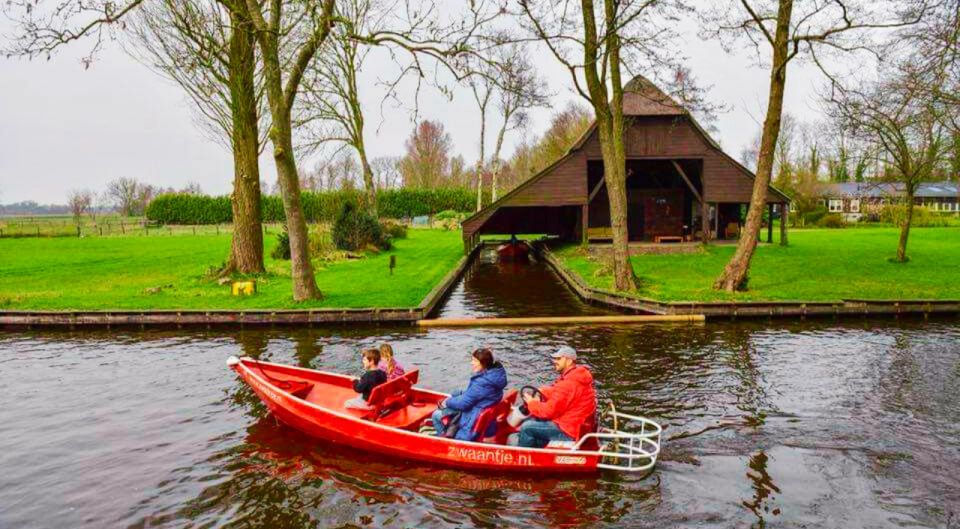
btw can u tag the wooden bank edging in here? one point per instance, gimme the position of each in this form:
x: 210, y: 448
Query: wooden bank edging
x: 746, y: 309
x: 561, y: 320
x: 96, y: 318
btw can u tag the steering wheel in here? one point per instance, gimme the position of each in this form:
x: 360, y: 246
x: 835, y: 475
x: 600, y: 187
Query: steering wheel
x: 530, y: 391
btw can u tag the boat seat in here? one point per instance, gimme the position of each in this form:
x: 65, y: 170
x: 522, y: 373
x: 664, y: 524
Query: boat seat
x: 495, y: 414
x: 388, y: 396
x: 409, y: 416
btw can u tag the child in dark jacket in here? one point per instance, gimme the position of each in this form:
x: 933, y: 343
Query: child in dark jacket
x: 371, y: 378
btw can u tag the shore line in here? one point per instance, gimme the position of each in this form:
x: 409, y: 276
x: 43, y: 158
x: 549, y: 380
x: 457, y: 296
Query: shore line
x: 253, y: 317
x: 717, y: 310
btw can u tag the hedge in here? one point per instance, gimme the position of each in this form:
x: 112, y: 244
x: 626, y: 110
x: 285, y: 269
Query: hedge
x: 317, y: 207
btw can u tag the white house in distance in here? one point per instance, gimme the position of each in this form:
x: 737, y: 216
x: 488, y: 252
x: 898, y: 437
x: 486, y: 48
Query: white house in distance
x: 853, y: 200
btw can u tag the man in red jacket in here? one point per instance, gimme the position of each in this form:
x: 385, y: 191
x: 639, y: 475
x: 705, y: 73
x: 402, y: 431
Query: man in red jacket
x: 568, y: 404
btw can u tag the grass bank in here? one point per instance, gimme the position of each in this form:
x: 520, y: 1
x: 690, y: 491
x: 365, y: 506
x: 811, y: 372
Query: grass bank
x: 136, y: 273
x: 819, y: 265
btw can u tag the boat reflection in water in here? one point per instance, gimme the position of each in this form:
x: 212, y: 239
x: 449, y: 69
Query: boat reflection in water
x: 348, y: 485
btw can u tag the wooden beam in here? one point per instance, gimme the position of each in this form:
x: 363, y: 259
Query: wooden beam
x: 584, y: 224
x: 687, y: 180
x: 596, y: 189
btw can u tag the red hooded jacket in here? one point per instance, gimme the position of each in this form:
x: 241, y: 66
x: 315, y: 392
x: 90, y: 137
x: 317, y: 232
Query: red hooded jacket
x: 569, y: 402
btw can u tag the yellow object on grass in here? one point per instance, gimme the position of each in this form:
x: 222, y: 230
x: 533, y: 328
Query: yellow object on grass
x: 244, y: 288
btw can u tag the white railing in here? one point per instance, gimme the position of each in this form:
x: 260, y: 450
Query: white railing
x: 632, y: 444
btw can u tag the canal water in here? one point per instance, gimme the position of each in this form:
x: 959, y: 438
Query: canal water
x: 767, y: 424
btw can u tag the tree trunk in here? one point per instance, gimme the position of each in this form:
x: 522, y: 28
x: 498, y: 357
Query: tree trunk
x: 246, y: 248
x: 905, y: 229
x: 368, y: 184
x: 479, y: 170
x: 614, y: 173
x: 493, y: 180
x: 734, y: 275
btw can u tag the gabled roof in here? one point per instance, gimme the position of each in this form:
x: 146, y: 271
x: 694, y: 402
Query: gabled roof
x: 640, y: 98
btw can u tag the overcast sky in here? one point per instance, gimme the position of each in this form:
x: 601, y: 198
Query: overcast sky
x: 63, y: 127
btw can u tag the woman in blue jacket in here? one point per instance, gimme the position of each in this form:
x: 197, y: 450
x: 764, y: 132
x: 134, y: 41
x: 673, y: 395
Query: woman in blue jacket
x: 484, y: 390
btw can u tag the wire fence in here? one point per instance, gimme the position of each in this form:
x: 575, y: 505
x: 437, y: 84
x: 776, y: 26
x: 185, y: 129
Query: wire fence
x: 59, y: 226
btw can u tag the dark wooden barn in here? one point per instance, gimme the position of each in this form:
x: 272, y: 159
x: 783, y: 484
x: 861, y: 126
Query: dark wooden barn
x: 677, y: 176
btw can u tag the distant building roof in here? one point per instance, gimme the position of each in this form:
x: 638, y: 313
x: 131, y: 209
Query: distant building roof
x: 938, y: 189
x: 886, y: 189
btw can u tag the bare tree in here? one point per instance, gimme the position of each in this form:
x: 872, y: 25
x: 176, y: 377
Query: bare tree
x: 79, y: 201
x: 385, y: 172
x: 282, y: 82
x: 520, y: 89
x: 330, y: 109
x: 126, y: 195
x: 791, y: 29
x: 907, y: 124
x: 598, y: 44
x: 207, y: 48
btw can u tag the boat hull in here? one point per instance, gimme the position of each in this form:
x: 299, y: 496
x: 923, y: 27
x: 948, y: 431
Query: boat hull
x: 513, y: 252
x: 343, y: 428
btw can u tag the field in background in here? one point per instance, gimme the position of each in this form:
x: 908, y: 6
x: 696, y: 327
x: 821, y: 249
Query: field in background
x: 106, y: 226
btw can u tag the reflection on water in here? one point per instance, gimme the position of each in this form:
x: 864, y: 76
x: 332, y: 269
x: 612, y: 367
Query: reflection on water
x: 494, y: 288
x: 767, y: 424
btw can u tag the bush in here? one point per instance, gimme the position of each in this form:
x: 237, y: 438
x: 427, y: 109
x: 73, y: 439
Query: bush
x: 282, y: 249
x: 833, y: 220
x: 355, y: 230
x: 317, y: 207
x: 393, y: 229
x: 447, y: 214
x: 896, y: 214
x: 813, y: 217
x: 181, y: 208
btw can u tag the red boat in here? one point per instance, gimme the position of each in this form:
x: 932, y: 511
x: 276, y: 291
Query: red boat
x: 513, y: 251
x: 312, y: 402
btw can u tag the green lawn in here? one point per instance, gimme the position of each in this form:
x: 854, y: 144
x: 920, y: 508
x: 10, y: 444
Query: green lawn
x: 116, y: 272
x: 819, y: 265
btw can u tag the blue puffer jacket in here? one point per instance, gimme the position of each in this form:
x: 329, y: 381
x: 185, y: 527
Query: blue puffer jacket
x: 484, y: 390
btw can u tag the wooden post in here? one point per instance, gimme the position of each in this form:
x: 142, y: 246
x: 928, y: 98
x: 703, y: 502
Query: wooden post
x: 784, y: 211
x: 705, y: 221
x: 584, y: 224
x: 769, y: 223
x: 716, y: 219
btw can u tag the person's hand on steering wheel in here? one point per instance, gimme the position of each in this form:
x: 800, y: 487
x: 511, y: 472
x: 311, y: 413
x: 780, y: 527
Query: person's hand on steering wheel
x: 532, y: 394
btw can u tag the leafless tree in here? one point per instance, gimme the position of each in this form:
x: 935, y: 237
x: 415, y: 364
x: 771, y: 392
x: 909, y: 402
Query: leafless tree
x: 907, y: 124
x: 329, y: 110
x: 788, y: 29
x: 79, y: 201
x: 385, y: 172
x: 516, y: 89
x: 130, y: 196
x: 282, y: 82
x: 599, y: 43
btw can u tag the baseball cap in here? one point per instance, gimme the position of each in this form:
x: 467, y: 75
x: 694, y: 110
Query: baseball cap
x: 565, y: 352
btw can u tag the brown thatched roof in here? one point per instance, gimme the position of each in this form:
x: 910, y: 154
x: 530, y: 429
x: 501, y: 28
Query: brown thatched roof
x: 643, y: 98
